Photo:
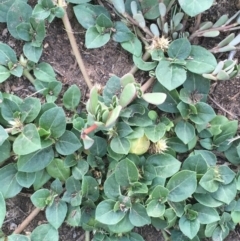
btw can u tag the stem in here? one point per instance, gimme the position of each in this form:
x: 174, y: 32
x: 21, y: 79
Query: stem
x: 197, y: 23
x: 148, y: 83
x: 28, y: 219
x: 87, y: 236
x: 74, y: 46
x: 133, y: 21
x: 27, y: 74
x: 145, y: 57
x: 170, y: 5
x: 222, y: 28
x: 89, y: 130
x: 165, y: 236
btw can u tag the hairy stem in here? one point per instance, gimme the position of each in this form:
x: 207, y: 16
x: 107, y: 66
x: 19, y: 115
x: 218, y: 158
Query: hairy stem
x: 25, y: 223
x: 27, y: 74
x: 74, y: 46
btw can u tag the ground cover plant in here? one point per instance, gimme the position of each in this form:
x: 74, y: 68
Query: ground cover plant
x: 132, y: 156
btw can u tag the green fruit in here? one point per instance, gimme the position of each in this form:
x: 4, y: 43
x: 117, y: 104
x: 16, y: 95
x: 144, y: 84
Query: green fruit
x: 139, y: 146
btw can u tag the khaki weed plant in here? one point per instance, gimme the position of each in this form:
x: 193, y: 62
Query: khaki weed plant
x: 131, y: 157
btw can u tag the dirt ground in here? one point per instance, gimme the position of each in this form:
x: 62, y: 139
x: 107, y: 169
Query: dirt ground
x: 100, y: 63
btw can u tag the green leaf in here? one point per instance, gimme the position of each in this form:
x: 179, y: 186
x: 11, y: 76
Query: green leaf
x: 123, y: 129
x: 226, y: 174
x: 71, y: 97
x: 181, y: 186
x: 207, y: 200
x: 123, y: 226
x: 194, y: 7
x: 3, y: 135
x: 202, y: 61
x: 119, y: 5
x: 133, y: 46
x: 31, y: 52
x: 179, y: 49
x: 56, y: 213
x: 155, y: 208
x: 155, y: 132
x: 9, y: 109
x: 30, y: 108
x: 112, y: 188
x: 138, y: 215
x: 4, y: 7
x: 126, y: 173
x: 41, y: 12
x: 205, y: 113
x: 122, y: 32
x: 57, y: 169
x: 56, y: 186
x: 165, y: 165
x: 67, y: 143
x: 44, y: 72
x: 120, y: 145
x: 5, y: 149
x: 53, y: 120
x: 23, y: 31
x: 195, y: 163
x: 90, y: 188
x: 113, y: 116
x: 197, y: 85
x: 4, y: 73
x: 94, y: 39
x: 80, y: 170
x: 106, y: 214
x: 112, y: 87
x: 40, y: 198
x: 228, y: 130
x: 206, y: 215
x: 189, y: 228
x: 28, y: 141
x: 35, y: 161
x: 170, y: 75
x: 226, y: 193
x: 3, y: 210
x: 26, y: 179
x: 141, y: 64
x: 103, y: 21
x: 44, y: 232
x: 73, y: 216
x: 99, y: 147
x: 86, y: 14
x: 18, y: 13
x: 151, y: 9
x: 42, y: 177
x: 9, y: 185
x: 7, y: 54
x: 172, y: 100
x: 208, y: 181
x: 185, y: 131
x: 154, y: 98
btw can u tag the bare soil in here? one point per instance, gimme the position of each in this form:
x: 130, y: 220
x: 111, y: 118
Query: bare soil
x: 100, y: 64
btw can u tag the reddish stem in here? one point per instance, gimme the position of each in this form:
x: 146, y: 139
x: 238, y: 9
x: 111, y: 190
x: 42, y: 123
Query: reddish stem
x: 89, y: 130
